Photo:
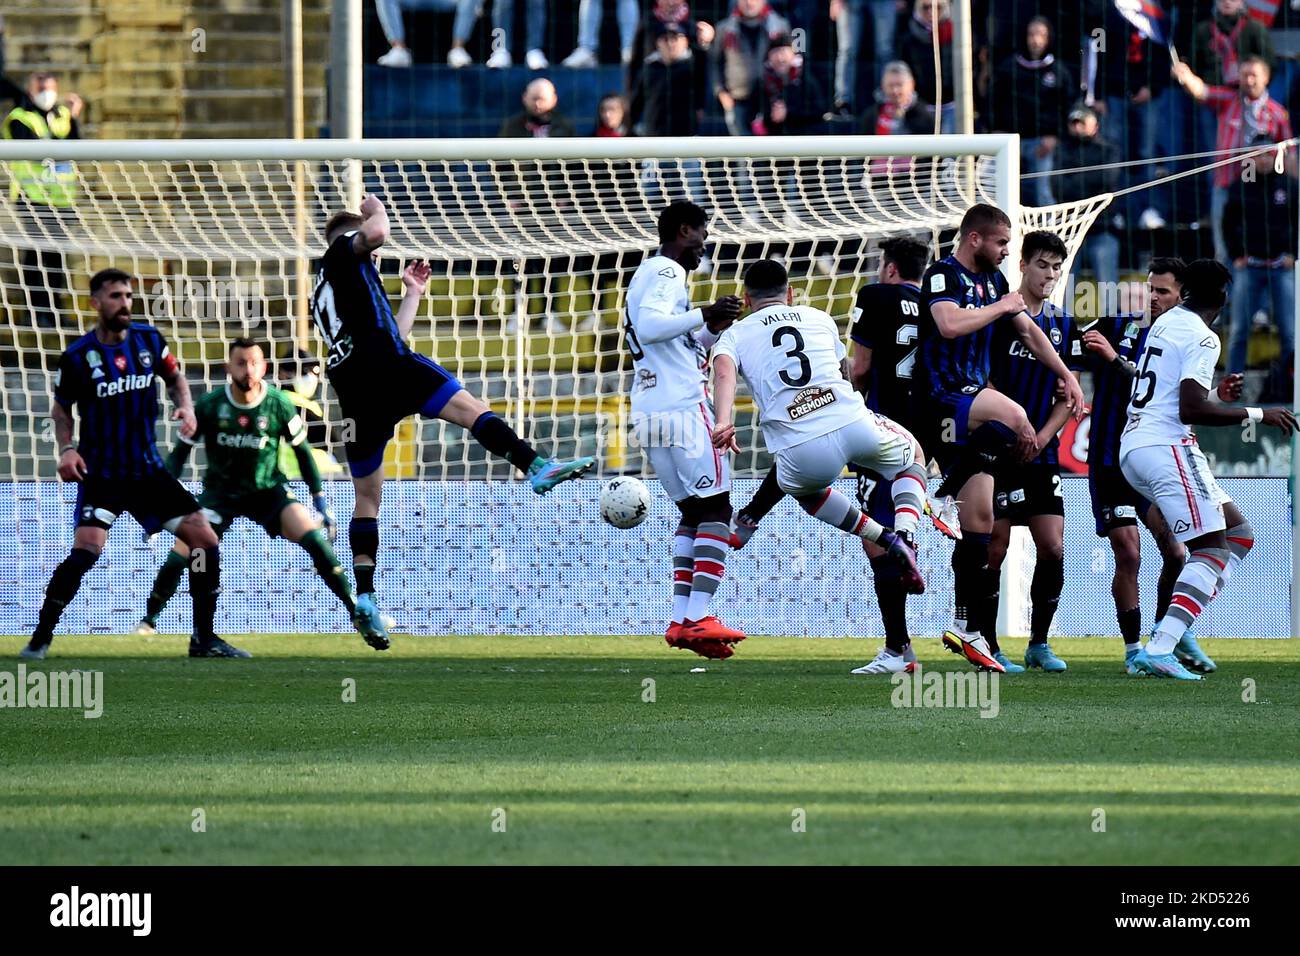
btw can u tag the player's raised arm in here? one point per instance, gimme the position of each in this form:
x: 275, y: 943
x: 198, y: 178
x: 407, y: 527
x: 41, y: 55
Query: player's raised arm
x: 1041, y: 347
x: 1195, y: 407
x: 415, y: 279
x: 373, y: 231
x: 657, y: 320
x: 953, y: 321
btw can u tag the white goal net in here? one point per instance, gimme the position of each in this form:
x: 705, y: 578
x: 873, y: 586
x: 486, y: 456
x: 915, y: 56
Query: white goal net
x: 532, y: 244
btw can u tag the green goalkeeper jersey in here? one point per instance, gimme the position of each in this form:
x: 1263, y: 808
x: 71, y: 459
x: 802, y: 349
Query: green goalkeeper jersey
x: 243, y: 441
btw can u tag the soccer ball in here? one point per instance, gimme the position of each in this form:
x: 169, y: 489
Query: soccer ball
x: 624, y: 502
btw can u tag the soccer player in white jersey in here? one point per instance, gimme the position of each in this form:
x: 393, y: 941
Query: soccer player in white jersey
x: 672, y: 418
x: 814, y: 422
x: 1159, y: 457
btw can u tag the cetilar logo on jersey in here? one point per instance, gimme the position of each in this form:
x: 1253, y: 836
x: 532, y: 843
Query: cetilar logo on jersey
x: 242, y: 440
x: 128, y: 383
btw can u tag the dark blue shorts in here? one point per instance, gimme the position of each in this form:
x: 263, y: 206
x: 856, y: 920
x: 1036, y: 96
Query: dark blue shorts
x: 416, y: 386
x: 1024, y: 491
x: 947, y: 418
x: 156, y: 501
x: 1115, y: 503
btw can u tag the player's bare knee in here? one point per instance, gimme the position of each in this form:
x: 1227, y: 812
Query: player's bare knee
x: 93, y: 544
x: 1128, y: 557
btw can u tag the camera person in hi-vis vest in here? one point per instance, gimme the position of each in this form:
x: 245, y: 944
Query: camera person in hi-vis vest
x: 44, y: 192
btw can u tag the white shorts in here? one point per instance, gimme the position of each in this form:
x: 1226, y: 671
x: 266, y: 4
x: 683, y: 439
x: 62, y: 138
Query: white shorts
x: 680, y: 448
x: 873, y: 442
x: 1177, y: 479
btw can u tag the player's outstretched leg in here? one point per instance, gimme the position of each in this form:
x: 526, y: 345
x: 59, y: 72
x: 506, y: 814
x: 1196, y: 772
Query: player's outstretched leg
x: 490, y: 431
x: 1192, y: 592
x: 767, y: 497
x: 834, y: 508
x: 62, y: 588
x: 165, y: 583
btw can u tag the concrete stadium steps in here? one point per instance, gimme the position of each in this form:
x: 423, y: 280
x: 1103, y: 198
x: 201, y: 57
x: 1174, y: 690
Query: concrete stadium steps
x: 172, y: 68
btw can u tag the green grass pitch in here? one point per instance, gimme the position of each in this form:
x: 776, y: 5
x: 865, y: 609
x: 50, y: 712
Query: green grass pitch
x: 447, y: 732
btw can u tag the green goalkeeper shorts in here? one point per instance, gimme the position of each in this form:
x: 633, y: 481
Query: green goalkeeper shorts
x: 263, y: 506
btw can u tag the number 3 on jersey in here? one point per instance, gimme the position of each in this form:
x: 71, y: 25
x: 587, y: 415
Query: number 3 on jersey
x: 805, y: 367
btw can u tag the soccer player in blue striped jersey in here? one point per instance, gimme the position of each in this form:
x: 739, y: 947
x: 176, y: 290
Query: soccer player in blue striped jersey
x: 1029, y: 494
x: 973, y: 426
x: 380, y: 380
x: 1114, y: 346
x: 109, y: 376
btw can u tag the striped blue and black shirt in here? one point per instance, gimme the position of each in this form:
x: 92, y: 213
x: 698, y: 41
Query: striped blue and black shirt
x: 1127, y: 334
x: 1016, y: 373
x: 115, y: 390
x: 355, y: 319
x: 884, y: 320
x: 960, y: 364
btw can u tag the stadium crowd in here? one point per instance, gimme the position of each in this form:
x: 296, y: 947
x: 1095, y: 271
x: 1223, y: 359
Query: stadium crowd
x: 1100, y: 104
x: 1084, y: 87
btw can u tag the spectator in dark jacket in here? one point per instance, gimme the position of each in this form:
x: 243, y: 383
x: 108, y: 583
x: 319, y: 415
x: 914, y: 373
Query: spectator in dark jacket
x: 670, y: 99
x: 900, y: 108
x: 1083, y: 148
x: 1031, y: 95
x: 1131, y: 74
x: 737, y: 55
x: 790, y: 98
x: 540, y: 118
x: 670, y: 102
x: 916, y: 49
x: 900, y: 111
x: 652, y: 23
x: 1259, y: 223
x: 1224, y: 40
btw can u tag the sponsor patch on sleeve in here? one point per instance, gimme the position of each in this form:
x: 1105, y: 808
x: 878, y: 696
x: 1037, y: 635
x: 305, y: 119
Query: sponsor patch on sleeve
x: 937, y: 282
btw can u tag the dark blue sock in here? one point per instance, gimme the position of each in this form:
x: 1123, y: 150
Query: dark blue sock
x: 363, y: 534
x: 500, y: 439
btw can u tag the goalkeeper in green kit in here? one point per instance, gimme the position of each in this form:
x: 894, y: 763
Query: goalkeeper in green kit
x: 241, y: 426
